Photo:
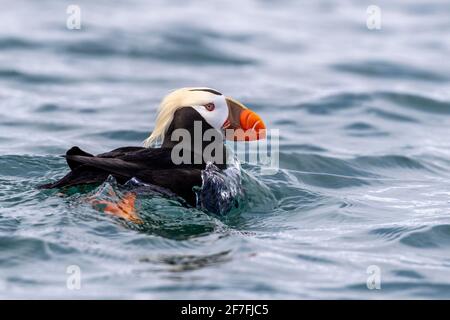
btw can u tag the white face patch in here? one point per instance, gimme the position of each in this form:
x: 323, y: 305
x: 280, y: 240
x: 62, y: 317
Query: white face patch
x: 216, y: 117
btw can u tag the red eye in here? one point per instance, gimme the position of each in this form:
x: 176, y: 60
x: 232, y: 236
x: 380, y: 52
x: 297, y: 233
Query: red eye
x: 210, y: 106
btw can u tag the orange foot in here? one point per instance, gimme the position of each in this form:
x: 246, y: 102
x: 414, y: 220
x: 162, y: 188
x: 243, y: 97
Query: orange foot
x: 125, y: 208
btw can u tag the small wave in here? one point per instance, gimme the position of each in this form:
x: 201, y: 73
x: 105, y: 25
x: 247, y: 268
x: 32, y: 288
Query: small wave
x: 18, y: 250
x: 363, y: 129
x: 393, y: 116
x: 334, y: 103
x: 389, y: 161
x: 409, y: 274
x: 416, y: 102
x: 398, y: 289
x: 48, y: 108
x: 17, y: 43
x: 392, y: 233
x: 360, y: 126
x: 434, y: 237
x: 54, y: 108
x: 303, y: 147
x: 315, y: 259
x: 368, y: 103
x: 170, y: 47
x: 27, y: 77
x: 314, y: 163
x: 332, y: 172
x: 326, y: 172
x: 28, y: 166
x: 391, y: 70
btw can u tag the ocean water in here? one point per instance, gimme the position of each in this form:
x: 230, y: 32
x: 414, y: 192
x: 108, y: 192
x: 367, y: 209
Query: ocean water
x: 364, y: 120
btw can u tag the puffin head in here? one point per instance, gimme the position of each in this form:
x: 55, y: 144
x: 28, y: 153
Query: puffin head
x: 182, y: 107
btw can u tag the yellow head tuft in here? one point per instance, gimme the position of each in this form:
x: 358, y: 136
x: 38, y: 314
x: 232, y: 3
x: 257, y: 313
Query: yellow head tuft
x: 175, y: 100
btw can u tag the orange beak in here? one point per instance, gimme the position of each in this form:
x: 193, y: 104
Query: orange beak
x: 243, y: 124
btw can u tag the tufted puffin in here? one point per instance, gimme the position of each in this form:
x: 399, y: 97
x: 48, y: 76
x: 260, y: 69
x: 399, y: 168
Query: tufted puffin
x: 198, y: 119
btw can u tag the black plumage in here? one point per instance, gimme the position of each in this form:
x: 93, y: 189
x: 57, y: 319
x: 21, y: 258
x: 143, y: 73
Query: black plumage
x: 149, y: 165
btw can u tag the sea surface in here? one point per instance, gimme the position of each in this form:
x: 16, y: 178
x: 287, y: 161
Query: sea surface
x: 364, y: 122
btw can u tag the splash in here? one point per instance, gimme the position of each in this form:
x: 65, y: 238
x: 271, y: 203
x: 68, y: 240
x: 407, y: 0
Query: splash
x: 231, y: 191
x: 221, y: 191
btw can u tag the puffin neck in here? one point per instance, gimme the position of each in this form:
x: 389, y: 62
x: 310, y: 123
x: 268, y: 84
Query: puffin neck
x: 187, y: 118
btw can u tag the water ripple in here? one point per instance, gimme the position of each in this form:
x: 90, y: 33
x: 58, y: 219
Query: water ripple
x: 434, y: 237
x: 386, y: 69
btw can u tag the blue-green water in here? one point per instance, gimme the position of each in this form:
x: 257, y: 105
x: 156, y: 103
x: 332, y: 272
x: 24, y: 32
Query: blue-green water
x: 364, y: 120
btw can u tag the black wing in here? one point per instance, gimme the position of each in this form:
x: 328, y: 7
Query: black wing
x: 151, y: 165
